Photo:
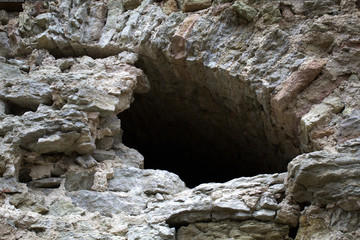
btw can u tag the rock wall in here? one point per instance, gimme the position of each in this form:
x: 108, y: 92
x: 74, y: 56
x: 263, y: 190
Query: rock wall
x: 269, y: 85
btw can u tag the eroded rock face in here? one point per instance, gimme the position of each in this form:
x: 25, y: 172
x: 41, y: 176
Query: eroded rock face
x: 258, y: 82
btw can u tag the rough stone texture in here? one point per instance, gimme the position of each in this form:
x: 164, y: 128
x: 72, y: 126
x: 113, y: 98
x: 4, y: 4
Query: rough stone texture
x: 265, y: 80
x: 194, y: 5
x: 233, y: 230
x: 328, y: 182
x: 147, y: 181
x: 244, y: 10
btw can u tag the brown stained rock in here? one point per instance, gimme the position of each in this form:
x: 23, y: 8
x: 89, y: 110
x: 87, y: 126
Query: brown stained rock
x: 296, y: 83
x: 287, y: 14
x: 178, y: 40
x: 131, y: 4
x: 219, y: 8
x: 195, y: 5
x: 170, y: 6
x: 289, y: 90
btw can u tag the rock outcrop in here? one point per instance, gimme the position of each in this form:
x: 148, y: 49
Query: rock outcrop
x: 270, y: 88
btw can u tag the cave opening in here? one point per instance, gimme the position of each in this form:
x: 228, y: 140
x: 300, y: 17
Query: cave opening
x: 182, y: 127
x: 12, y: 6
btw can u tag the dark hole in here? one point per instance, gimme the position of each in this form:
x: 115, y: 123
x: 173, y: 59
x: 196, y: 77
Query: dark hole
x: 181, y: 127
x: 358, y: 3
x: 293, y: 232
x: 15, y: 109
x: 24, y: 175
x: 12, y: 6
x: 303, y: 205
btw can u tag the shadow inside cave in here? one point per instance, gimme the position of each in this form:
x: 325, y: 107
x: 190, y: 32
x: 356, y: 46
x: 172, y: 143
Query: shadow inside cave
x: 183, y: 127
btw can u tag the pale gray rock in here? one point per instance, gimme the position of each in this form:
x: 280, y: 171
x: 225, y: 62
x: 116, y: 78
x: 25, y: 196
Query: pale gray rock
x: 63, y: 208
x: 337, y: 182
x: 216, y: 202
x: 10, y: 185
x: 101, y: 155
x: 86, y: 161
x: 108, y: 203
x: 147, y: 181
x: 264, y: 214
x: 5, y: 46
x: 350, y: 126
x: 233, y: 230
x: 267, y: 202
x: 129, y: 156
x: 150, y: 232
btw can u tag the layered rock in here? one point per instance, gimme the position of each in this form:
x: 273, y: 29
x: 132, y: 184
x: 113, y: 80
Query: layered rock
x: 259, y: 82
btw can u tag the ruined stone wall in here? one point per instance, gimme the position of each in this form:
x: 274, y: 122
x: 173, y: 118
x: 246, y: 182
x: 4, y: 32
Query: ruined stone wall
x: 271, y: 87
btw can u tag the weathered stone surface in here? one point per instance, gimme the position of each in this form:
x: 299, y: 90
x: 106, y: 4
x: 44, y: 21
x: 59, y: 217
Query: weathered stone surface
x: 337, y: 182
x: 129, y: 156
x: 10, y: 185
x: 4, y: 17
x: 329, y: 223
x: 244, y: 10
x: 233, y: 230
x: 108, y: 203
x: 86, y: 161
x: 46, y: 183
x: 147, y: 181
x: 75, y: 181
x: 280, y: 77
x: 101, y: 155
x: 4, y: 40
x: 350, y: 127
x: 131, y: 4
x: 236, y: 200
x: 194, y: 5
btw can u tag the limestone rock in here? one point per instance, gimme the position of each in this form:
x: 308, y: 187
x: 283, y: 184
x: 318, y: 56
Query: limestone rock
x: 10, y: 185
x: 108, y: 203
x: 148, y: 181
x: 4, y: 40
x: 349, y: 127
x: 257, y: 82
x: 46, y: 183
x: 337, y: 169
x: 235, y: 230
x: 218, y: 202
x: 75, y: 181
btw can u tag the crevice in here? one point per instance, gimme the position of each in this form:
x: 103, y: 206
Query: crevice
x: 17, y: 110
x: 293, y: 232
x: 303, y: 205
x: 24, y: 175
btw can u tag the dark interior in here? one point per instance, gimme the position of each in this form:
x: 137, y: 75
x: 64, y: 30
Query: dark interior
x: 12, y: 6
x: 180, y: 126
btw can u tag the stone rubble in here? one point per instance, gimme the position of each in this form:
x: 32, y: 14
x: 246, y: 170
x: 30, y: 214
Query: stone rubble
x: 287, y: 70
